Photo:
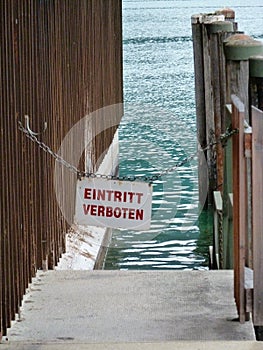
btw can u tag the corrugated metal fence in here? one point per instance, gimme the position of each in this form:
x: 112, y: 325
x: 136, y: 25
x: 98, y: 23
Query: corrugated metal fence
x: 59, y: 60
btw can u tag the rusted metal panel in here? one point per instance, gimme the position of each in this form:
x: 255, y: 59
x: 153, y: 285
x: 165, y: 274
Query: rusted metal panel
x: 257, y: 213
x: 59, y: 61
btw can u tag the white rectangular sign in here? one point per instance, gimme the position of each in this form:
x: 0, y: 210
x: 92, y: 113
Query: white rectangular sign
x: 113, y: 203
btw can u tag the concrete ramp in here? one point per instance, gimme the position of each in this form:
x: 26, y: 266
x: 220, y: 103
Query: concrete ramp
x: 80, y: 307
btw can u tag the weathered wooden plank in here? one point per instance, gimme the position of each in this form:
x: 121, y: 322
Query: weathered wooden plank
x: 200, y: 104
x: 215, y: 80
x: 256, y: 81
x: 227, y: 193
x: 247, y: 152
x: 209, y: 114
x: 228, y: 232
x: 257, y: 213
x: 239, y: 208
x: 218, y: 34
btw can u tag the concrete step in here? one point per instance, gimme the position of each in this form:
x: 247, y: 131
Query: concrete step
x: 216, y: 345
x: 130, y: 306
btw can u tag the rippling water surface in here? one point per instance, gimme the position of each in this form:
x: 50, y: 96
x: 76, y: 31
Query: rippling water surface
x: 158, y: 130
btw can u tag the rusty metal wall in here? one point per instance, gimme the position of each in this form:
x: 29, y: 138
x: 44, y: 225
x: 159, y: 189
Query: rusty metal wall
x: 59, y: 60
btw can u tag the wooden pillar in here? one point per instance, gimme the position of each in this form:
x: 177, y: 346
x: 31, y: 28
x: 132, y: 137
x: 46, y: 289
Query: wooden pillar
x: 217, y: 33
x: 200, y: 102
x: 209, y: 31
x: 229, y: 15
x: 256, y: 81
x: 238, y: 49
x: 256, y: 99
x: 228, y: 198
x: 257, y: 205
x: 239, y: 207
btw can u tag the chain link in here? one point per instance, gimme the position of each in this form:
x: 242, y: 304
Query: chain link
x: 221, y: 240
x: 47, y: 149
x: 151, y: 178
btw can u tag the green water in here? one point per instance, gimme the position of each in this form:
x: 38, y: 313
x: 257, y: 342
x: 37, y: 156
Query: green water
x: 158, y: 130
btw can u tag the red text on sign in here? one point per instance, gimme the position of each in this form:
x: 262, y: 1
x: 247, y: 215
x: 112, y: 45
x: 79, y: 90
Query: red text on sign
x: 123, y: 213
x: 111, y: 195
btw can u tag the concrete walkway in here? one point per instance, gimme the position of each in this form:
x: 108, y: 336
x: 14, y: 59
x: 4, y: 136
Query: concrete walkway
x: 76, y: 308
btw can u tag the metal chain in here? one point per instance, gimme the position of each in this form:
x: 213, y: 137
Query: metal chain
x: 221, y: 240
x: 151, y: 178
x: 47, y: 149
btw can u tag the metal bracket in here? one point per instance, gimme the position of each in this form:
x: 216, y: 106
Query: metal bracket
x: 30, y: 131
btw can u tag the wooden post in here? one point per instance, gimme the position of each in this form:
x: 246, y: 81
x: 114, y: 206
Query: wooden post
x: 256, y: 81
x: 256, y: 99
x: 240, y: 209
x: 200, y: 102
x: 238, y: 49
x: 247, y: 152
x: 217, y: 33
x: 228, y: 197
x: 257, y: 213
x: 208, y: 31
x: 209, y: 114
x: 229, y: 16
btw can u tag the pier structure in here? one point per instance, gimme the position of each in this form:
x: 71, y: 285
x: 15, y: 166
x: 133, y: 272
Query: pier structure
x: 54, y: 75
x: 228, y: 79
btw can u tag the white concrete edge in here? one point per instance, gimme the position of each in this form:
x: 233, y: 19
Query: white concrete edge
x: 178, y: 345
x: 206, y: 18
x: 83, y: 243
